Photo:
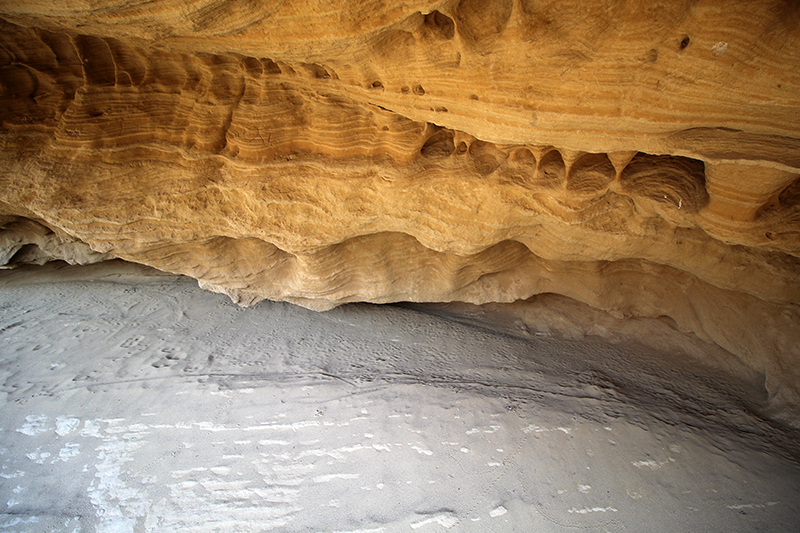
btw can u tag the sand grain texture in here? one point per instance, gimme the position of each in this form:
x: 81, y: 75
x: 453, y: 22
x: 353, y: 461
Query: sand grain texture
x: 134, y: 401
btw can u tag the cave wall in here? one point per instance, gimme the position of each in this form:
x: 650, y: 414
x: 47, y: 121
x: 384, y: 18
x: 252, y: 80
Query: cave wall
x: 642, y: 158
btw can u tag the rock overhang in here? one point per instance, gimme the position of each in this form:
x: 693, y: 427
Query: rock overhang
x: 642, y: 161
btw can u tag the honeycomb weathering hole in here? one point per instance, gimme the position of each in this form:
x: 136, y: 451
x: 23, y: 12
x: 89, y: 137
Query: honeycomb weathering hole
x: 551, y: 171
x: 440, y: 25
x: 679, y: 181
x: 591, y: 173
x: 440, y: 144
x: 790, y: 196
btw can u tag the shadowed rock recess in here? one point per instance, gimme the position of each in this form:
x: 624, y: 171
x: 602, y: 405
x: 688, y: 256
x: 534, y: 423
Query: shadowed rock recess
x: 640, y: 161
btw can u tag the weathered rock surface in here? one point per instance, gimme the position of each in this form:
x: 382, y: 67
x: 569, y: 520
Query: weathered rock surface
x: 640, y: 158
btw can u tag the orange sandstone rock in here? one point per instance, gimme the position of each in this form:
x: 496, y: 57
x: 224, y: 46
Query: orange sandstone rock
x: 641, y: 159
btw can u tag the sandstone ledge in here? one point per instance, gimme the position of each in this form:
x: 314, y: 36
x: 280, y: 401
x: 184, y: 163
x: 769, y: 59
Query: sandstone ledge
x: 644, y: 162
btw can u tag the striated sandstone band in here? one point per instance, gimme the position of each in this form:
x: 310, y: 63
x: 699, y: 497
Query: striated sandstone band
x: 641, y: 159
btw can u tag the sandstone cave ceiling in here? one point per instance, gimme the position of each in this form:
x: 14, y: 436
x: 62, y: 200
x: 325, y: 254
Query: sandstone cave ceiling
x: 642, y: 158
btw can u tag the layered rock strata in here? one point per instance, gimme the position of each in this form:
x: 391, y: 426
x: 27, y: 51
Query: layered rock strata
x: 641, y: 159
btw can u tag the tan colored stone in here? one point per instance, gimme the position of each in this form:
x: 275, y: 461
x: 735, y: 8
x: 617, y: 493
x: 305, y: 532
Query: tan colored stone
x: 641, y: 159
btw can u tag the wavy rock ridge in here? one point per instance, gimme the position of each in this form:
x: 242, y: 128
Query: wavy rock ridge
x: 643, y: 161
